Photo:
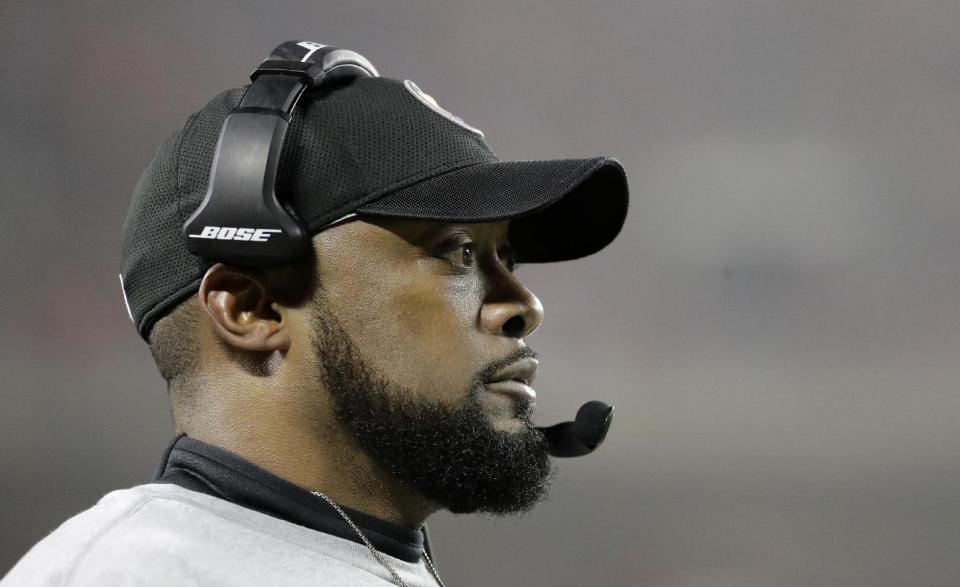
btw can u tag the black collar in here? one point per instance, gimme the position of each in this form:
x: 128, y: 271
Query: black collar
x: 202, y: 467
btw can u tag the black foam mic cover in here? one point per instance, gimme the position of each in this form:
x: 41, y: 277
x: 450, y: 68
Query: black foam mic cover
x: 584, y: 434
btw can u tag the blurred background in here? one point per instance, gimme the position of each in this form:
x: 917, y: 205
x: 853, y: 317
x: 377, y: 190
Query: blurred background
x: 778, y: 324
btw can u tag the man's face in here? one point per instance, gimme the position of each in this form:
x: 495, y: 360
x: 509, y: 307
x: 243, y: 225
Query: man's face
x: 412, y: 321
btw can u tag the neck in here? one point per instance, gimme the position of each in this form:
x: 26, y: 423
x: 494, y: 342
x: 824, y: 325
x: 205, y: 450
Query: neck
x: 316, y: 455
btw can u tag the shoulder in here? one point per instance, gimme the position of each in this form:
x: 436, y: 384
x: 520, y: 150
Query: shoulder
x: 128, y: 531
x: 161, y: 534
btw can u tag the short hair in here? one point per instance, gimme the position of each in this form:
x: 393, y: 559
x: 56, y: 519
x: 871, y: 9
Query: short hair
x: 174, y: 344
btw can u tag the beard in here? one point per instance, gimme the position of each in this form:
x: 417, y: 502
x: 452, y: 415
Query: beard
x: 451, y: 455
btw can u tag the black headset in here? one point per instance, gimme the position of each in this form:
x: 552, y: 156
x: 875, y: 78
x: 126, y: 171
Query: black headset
x: 241, y: 220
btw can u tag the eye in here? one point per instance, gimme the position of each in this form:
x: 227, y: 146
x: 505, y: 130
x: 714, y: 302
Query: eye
x: 465, y: 254
x: 457, y: 250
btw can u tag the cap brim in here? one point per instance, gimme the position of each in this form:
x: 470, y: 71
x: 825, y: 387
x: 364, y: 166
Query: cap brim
x: 562, y: 209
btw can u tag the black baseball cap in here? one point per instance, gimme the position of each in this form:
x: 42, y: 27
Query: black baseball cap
x: 370, y: 146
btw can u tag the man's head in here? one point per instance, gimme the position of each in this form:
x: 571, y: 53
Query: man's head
x: 409, y: 360
x: 394, y: 333
x: 396, y: 350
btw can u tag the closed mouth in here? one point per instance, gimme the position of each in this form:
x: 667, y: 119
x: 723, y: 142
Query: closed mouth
x: 522, y: 371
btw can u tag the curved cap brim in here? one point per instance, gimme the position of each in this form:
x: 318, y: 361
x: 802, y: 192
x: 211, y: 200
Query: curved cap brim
x: 563, y: 209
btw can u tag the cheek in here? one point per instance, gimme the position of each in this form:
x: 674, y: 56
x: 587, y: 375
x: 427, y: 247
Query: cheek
x: 439, y: 312
x: 420, y: 331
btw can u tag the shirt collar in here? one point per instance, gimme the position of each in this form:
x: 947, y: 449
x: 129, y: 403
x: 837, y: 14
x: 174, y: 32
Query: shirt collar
x: 198, y: 466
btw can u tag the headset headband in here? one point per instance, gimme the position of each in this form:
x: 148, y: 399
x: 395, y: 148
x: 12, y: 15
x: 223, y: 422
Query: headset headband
x: 241, y: 221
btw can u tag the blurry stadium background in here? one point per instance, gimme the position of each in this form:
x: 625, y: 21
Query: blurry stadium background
x: 778, y: 324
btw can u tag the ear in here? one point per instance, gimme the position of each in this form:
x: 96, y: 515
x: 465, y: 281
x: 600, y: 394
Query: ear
x: 243, y: 310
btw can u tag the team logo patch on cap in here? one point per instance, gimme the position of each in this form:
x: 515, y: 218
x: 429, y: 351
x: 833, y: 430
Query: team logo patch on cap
x: 429, y: 101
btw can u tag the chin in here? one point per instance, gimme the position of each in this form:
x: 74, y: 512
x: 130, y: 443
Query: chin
x: 510, y: 424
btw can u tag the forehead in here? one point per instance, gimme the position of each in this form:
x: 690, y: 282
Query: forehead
x: 365, y: 255
x: 389, y: 229
x: 365, y: 240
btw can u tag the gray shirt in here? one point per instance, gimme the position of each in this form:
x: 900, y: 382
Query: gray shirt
x: 163, y: 534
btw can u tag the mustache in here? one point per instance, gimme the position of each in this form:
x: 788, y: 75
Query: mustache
x: 484, y: 375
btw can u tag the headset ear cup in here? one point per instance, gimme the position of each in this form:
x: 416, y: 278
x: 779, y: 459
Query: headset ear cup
x: 242, y: 220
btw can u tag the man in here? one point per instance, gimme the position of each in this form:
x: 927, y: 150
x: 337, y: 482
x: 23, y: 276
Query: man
x: 325, y: 407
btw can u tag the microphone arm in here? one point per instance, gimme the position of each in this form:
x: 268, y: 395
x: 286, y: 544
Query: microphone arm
x: 583, y: 435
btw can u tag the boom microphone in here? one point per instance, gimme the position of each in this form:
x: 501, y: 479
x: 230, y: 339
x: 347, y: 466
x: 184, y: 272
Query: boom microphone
x: 583, y: 435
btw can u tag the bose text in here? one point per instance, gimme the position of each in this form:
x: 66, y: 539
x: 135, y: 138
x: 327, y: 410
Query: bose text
x: 232, y: 233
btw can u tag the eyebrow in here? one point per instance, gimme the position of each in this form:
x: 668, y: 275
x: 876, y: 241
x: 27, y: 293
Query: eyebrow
x: 435, y: 228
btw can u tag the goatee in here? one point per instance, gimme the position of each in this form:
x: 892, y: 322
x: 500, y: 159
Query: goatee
x: 452, y: 455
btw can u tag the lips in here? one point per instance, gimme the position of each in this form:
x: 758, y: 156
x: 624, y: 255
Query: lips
x: 522, y: 371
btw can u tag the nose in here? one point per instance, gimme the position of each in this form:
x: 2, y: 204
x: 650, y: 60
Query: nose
x: 511, y: 310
